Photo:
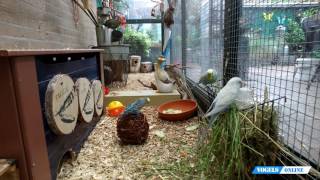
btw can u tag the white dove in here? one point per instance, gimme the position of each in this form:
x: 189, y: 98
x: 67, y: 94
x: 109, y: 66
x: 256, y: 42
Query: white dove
x: 226, y: 96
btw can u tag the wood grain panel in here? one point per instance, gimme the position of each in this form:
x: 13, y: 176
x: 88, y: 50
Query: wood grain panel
x: 32, y: 24
x: 28, y: 103
x: 11, y: 143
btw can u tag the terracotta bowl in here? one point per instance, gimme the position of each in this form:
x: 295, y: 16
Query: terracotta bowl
x: 188, y: 108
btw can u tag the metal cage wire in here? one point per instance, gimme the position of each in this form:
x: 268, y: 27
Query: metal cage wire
x: 273, y: 44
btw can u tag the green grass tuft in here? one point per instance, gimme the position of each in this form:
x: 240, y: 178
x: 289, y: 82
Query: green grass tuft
x: 231, y: 149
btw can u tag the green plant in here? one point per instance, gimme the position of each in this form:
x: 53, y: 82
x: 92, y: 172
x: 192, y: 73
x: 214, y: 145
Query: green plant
x: 121, y: 5
x: 315, y: 53
x: 140, y: 43
x: 238, y: 141
x: 310, y: 12
x: 294, y: 35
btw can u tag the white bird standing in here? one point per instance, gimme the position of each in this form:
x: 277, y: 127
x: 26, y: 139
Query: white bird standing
x: 162, y: 74
x: 226, y: 96
x: 163, y: 81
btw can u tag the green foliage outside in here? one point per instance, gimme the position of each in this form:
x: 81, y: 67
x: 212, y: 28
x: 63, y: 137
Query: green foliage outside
x: 294, y: 35
x: 310, y: 12
x: 121, y: 5
x: 140, y: 43
x: 154, y: 32
x: 316, y: 54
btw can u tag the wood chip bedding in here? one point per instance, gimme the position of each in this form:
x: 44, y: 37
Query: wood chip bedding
x: 133, y: 84
x: 103, y: 157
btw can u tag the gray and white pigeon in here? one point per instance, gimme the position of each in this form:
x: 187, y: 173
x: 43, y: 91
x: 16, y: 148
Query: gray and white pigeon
x: 226, y: 96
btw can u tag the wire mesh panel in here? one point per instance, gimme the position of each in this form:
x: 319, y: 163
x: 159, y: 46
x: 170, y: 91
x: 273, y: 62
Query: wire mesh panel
x: 266, y: 44
x: 277, y: 50
x: 176, y: 40
x: 274, y: 45
x: 200, y: 27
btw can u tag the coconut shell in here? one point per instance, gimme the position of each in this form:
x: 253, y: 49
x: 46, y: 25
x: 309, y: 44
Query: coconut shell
x: 61, y: 104
x: 133, y: 129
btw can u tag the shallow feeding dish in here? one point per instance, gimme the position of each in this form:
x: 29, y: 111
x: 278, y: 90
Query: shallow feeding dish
x: 177, y: 110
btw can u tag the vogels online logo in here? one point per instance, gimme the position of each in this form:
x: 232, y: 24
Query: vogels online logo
x: 281, y: 170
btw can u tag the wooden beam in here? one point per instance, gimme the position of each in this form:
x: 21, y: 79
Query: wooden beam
x: 127, y: 97
x: 143, y: 21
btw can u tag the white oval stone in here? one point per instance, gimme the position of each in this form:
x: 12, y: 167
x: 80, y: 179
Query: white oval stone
x: 61, y: 104
x: 98, y: 96
x: 86, y: 99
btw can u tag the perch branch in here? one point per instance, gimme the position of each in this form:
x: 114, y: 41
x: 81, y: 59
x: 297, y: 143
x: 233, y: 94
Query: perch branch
x: 152, y: 86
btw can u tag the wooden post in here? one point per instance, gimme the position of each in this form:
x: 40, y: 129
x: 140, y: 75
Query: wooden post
x: 183, y: 34
x: 231, y: 39
x: 29, y: 108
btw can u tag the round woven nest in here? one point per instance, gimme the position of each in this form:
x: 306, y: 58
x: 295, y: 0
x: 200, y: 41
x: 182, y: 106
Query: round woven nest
x: 133, y: 129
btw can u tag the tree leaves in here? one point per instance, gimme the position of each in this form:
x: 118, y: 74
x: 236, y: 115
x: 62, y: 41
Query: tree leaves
x: 140, y: 43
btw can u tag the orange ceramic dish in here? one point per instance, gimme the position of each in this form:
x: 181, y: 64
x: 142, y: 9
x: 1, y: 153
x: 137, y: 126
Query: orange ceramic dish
x: 187, y: 108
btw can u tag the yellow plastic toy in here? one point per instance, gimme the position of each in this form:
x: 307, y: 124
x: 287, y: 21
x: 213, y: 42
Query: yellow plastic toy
x: 115, y: 108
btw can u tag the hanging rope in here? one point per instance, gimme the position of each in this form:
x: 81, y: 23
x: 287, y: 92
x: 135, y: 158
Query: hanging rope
x: 75, y: 13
